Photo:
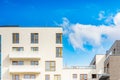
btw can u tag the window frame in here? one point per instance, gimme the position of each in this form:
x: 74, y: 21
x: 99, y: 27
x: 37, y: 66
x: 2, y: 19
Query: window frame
x: 34, y: 63
x: 29, y: 76
x: 74, y: 76
x: 94, y: 76
x: 51, y: 66
x: 59, y: 53
x: 47, y: 76
x: 57, y: 76
x: 34, y: 38
x: 14, y: 77
x: 35, y: 49
x: 58, y: 38
x: 17, y: 49
x: 83, y: 77
x: 15, y: 38
x: 17, y: 62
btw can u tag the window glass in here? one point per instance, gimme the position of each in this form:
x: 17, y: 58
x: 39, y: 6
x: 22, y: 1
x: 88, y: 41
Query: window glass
x: 34, y: 37
x: 17, y: 63
x: 34, y: 62
x: 50, y: 65
x: 58, y: 51
x: 34, y: 48
x: 74, y: 75
x: 57, y: 77
x: 15, y: 37
x: 26, y: 76
x: 15, y: 77
x: 59, y: 38
x: 94, y: 75
x: 17, y: 48
x: 14, y: 62
x: 20, y: 63
x: 83, y: 76
x: 32, y: 76
x: 47, y: 77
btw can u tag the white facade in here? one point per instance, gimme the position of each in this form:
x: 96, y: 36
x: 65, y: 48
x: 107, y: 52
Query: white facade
x: 46, y: 52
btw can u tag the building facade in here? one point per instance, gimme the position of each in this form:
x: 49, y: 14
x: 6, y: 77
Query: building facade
x: 36, y: 54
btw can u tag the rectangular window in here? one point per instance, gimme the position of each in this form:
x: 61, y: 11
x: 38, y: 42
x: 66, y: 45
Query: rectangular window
x: 34, y: 62
x: 83, y: 77
x: 94, y: 76
x: 29, y: 76
x: 34, y: 37
x: 58, y: 38
x: 74, y: 76
x: 57, y: 77
x: 17, y: 63
x: 58, y: 51
x: 17, y: 48
x: 34, y: 48
x: 15, y: 37
x: 47, y: 77
x: 50, y: 66
x: 15, y: 77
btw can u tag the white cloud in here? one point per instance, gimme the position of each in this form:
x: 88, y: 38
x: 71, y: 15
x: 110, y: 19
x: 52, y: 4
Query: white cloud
x: 80, y: 34
x: 101, y: 15
x: 109, y: 19
x: 117, y: 19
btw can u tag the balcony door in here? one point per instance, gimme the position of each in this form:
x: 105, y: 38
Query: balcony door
x: 15, y: 77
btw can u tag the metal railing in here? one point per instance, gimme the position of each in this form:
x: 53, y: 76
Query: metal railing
x: 81, y: 67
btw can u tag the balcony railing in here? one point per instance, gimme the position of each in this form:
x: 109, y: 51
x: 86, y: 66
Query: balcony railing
x: 105, y: 75
x: 24, y: 69
x: 81, y: 67
x: 20, y: 55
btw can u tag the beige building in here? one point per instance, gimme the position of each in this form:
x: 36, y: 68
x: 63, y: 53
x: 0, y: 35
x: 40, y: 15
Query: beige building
x: 36, y: 54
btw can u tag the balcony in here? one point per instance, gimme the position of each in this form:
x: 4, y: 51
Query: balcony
x: 20, y: 55
x: 104, y: 76
x: 24, y: 69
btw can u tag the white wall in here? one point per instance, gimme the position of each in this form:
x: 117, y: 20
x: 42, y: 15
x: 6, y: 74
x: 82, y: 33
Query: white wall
x: 47, y: 48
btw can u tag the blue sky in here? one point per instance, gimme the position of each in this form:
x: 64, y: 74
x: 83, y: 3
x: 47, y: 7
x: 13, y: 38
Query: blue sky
x: 90, y: 26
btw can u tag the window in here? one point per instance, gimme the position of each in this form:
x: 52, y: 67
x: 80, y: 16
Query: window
x: 15, y: 37
x: 83, y: 76
x: 58, y: 38
x: 75, y: 76
x: 58, y: 51
x: 47, y: 77
x: 29, y: 76
x: 94, y: 76
x: 34, y: 48
x: 50, y: 65
x: 57, y: 77
x: 15, y: 77
x: 34, y: 62
x: 17, y: 48
x: 34, y: 37
x: 17, y: 63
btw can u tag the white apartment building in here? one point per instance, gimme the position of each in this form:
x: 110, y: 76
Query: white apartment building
x: 36, y: 54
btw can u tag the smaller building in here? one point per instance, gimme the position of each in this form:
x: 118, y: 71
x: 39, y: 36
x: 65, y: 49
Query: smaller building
x: 112, y: 63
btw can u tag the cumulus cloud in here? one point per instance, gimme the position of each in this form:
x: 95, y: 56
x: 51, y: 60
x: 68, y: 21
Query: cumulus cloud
x: 117, y: 19
x: 81, y: 34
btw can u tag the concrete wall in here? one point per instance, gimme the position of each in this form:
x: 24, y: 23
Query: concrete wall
x: 114, y: 70
x: 68, y: 73
x: 99, y: 64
